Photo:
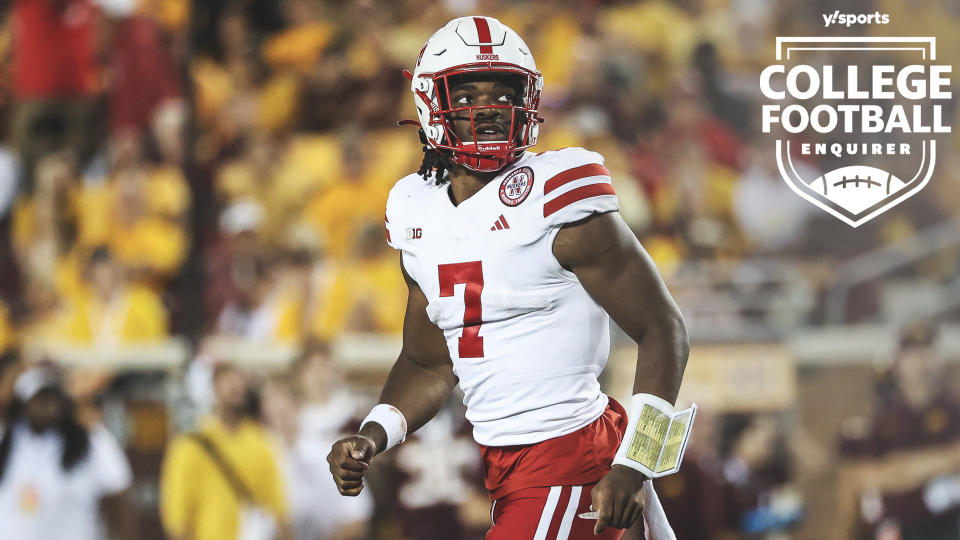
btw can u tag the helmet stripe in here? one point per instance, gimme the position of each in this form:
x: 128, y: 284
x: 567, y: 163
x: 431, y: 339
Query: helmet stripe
x: 483, y: 34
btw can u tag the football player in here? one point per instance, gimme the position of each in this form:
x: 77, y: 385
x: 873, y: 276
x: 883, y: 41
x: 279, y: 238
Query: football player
x: 515, y: 263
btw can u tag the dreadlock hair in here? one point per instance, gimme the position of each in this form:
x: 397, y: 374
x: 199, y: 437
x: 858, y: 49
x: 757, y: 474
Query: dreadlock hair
x: 437, y: 163
x: 433, y: 160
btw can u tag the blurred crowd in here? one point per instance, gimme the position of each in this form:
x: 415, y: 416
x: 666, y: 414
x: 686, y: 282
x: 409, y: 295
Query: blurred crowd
x: 219, y: 169
x: 254, y: 459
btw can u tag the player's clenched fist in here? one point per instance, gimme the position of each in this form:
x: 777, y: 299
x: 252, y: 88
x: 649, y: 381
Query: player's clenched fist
x: 349, y: 460
x: 618, y: 498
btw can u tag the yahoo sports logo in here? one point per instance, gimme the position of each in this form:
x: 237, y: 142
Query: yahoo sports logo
x: 871, y: 126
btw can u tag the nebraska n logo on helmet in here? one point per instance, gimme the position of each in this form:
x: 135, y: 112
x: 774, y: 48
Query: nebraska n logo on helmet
x: 476, y: 46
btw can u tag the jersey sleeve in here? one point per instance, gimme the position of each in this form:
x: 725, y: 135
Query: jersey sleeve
x: 391, y: 218
x: 398, y: 203
x: 579, y: 187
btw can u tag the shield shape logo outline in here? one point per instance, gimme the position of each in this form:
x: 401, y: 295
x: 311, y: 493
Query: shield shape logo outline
x: 801, y: 186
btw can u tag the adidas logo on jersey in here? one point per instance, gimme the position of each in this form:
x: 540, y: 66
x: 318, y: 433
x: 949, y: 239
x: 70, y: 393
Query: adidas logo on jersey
x: 500, y: 224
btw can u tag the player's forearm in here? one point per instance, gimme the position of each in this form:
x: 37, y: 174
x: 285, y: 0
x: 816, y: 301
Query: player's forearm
x: 662, y: 354
x: 419, y: 393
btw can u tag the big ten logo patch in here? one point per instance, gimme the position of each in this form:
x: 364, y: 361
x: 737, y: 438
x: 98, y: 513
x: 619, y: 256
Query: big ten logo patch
x: 516, y: 186
x: 414, y: 233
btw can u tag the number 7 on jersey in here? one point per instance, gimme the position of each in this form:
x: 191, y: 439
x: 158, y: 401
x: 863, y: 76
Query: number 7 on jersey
x: 471, y: 275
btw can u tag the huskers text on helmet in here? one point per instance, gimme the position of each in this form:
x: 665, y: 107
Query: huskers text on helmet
x: 863, y: 114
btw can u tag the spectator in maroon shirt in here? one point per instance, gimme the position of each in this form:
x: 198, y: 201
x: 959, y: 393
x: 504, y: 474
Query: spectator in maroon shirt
x: 908, y: 476
x: 143, y: 73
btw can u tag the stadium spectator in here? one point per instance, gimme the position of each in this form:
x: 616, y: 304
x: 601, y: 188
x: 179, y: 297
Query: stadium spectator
x: 316, y: 509
x: 759, y: 497
x: 40, y: 228
x: 138, y: 211
x: 908, y: 476
x: 55, y: 78
x: 232, y: 260
x: 108, y: 311
x: 342, y: 208
x: 253, y: 314
x: 366, y: 292
x: 59, y: 478
x: 143, y: 73
x: 223, y: 480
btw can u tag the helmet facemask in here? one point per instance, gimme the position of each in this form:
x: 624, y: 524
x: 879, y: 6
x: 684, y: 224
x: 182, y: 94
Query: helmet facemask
x: 519, y: 121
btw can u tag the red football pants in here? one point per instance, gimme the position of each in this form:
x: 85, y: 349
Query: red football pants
x: 546, y: 513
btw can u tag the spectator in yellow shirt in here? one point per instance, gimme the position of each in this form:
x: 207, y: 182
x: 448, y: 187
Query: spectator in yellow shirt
x: 140, y: 209
x: 108, y: 311
x: 341, y: 210
x: 197, y: 499
x: 366, y: 293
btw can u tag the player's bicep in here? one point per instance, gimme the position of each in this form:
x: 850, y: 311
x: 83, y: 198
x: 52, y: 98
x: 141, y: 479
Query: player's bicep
x: 423, y: 341
x: 617, y: 272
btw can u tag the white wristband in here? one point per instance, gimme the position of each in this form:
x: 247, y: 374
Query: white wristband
x: 656, y: 436
x: 391, y: 420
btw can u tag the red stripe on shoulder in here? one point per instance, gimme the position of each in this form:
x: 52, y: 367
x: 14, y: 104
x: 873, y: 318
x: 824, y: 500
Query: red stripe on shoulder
x: 576, y: 173
x: 574, y: 195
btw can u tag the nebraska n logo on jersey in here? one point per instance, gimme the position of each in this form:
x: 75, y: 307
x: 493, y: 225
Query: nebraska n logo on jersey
x: 516, y: 186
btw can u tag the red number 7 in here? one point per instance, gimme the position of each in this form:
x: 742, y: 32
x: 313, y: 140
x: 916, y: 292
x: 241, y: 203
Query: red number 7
x: 471, y: 274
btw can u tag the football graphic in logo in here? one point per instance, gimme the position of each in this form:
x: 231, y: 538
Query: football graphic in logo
x: 516, y: 186
x: 857, y: 188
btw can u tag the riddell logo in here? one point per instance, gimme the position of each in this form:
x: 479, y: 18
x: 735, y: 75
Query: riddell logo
x: 871, y: 127
x: 850, y: 19
x: 487, y: 57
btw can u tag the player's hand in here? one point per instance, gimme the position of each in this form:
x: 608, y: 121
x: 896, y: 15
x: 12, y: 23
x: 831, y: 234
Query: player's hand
x: 349, y: 460
x: 618, y: 498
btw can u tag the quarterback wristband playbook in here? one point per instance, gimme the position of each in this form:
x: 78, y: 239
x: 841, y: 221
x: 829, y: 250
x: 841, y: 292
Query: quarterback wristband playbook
x: 656, y: 436
x: 391, y: 420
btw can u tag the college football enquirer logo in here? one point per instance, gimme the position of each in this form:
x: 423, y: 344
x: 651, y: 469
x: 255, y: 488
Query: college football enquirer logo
x: 868, y: 110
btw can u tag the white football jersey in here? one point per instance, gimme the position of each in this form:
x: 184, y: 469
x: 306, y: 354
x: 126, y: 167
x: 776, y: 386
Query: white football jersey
x: 526, y: 340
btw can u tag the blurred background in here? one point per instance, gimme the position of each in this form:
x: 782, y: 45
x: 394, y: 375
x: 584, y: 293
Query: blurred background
x: 191, y: 237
